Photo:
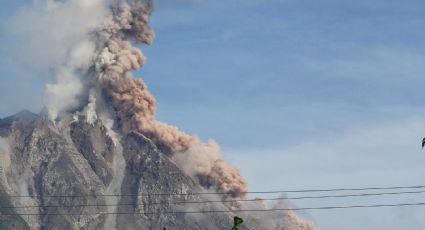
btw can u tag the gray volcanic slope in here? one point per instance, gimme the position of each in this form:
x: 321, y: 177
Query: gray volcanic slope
x: 43, y: 161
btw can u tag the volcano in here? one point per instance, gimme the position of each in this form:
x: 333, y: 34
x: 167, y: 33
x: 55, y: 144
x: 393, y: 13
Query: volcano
x: 96, y: 157
x: 80, y: 175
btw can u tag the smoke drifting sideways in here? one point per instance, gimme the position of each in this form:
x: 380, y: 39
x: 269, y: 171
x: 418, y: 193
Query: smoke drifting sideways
x: 135, y: 106
x: 277, y: 220
x: 88, y: 47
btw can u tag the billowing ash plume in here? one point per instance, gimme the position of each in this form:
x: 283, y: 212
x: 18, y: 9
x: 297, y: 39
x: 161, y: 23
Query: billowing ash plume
x: 98, y: 77
x: 89, y: 45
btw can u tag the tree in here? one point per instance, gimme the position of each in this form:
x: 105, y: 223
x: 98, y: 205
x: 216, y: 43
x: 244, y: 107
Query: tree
x: 237, y: 222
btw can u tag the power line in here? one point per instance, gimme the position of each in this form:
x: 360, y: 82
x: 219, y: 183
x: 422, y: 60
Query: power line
x: 220, y: 201
x: 223, y: 193
x: 219, y: 211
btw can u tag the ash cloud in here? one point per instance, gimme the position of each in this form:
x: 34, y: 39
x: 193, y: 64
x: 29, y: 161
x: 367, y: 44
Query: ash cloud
x: 93, y: 72
x: 88, y: 46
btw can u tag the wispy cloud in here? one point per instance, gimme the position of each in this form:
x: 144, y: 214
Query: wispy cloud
x: 384, y: 153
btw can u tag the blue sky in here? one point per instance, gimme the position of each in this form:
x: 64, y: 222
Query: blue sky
x: 299, y: 94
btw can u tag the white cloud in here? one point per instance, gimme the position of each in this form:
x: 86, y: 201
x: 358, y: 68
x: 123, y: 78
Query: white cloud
x: 380, y: 154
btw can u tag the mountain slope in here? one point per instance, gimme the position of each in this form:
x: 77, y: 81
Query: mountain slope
x: 86, y: 160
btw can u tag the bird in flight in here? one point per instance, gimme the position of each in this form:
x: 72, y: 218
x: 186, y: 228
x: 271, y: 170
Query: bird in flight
x: 423, y: 143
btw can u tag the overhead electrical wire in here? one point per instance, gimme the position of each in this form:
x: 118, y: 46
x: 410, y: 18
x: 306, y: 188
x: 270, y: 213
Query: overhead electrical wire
x: 218, y: 211
x: 222, y: 193
x: 221, y: 201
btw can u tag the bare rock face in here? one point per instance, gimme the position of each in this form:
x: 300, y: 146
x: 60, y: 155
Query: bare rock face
x: 79, y: 174
x: 60, y: 174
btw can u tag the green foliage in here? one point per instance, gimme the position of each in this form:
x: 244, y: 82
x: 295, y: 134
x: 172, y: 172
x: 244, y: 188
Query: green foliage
x: 237, y: 222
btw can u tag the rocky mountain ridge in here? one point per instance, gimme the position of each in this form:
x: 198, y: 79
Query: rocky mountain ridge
x: 78, y: 173
x: 85, y: 161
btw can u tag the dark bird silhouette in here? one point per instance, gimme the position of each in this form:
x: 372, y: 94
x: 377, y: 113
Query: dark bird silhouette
x: 423, y: 143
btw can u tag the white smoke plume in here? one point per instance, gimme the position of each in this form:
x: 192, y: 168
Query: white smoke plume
x: 90, y: 48
x: 88, y: 45
x: 90, y: 109
x: 277, y: 220
x: 56, y: 45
